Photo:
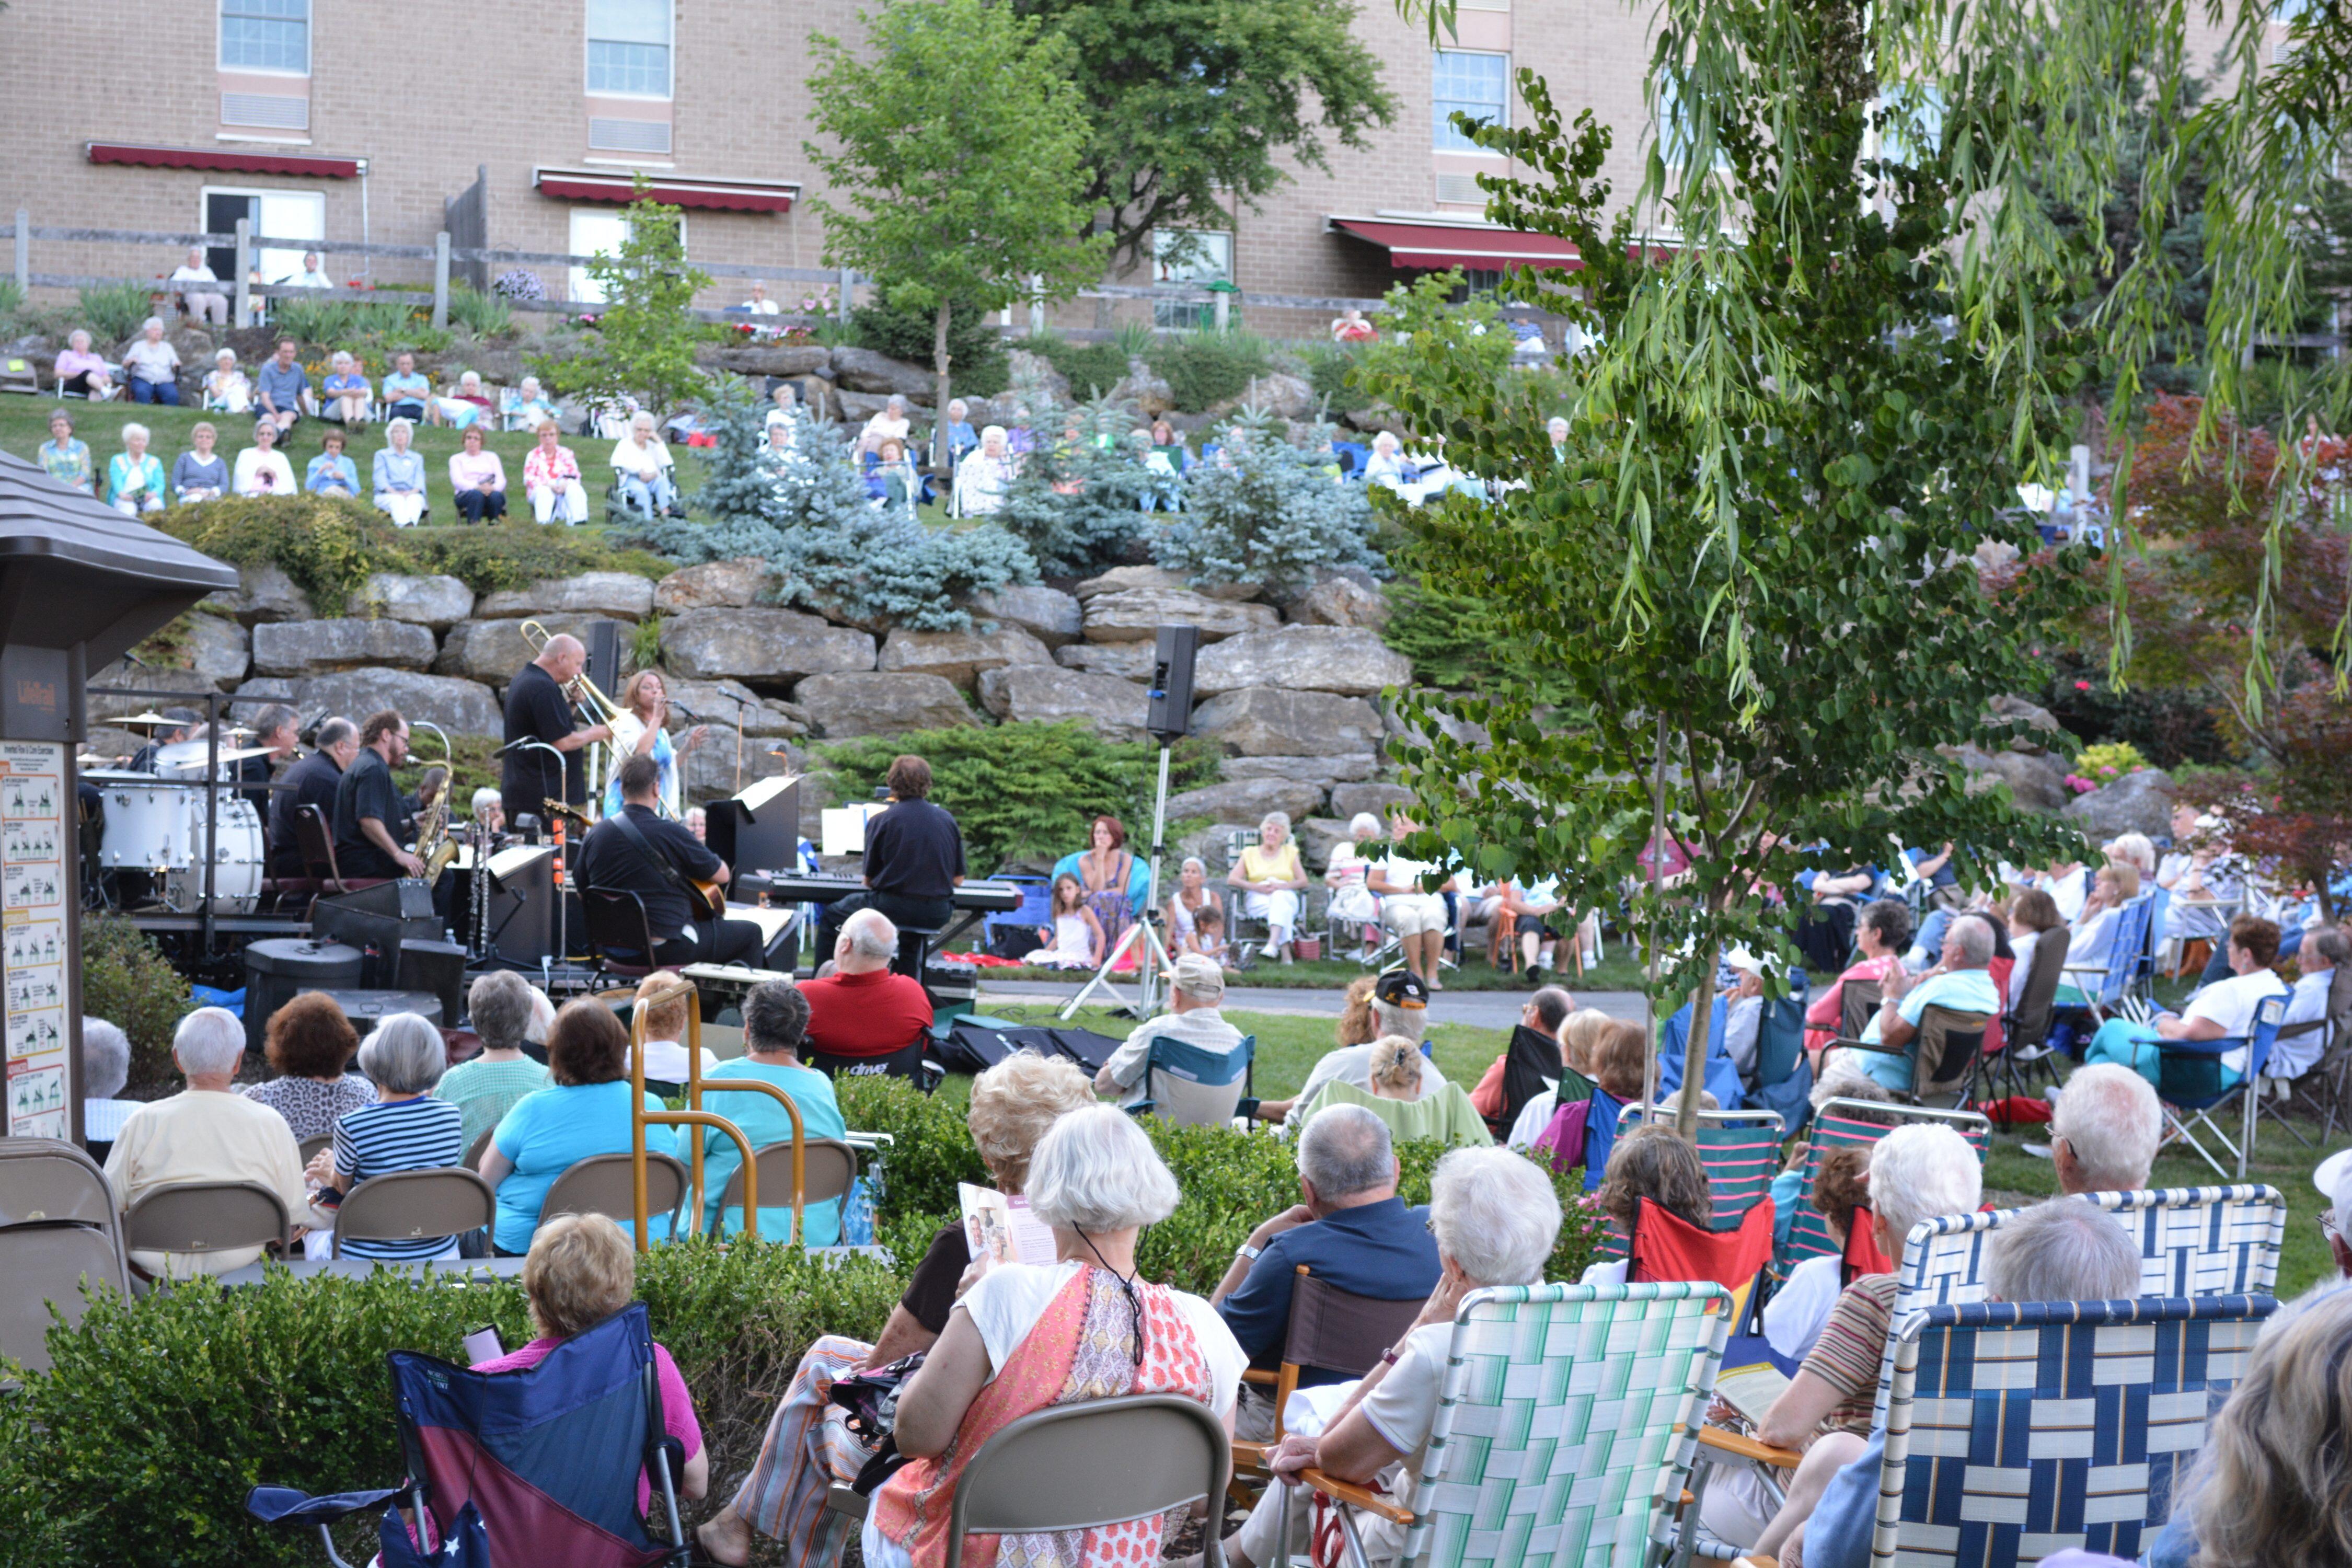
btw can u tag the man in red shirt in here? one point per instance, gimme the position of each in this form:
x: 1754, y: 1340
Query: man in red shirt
x: 862, y: 1010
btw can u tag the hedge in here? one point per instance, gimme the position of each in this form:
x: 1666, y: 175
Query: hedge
x: 140, y: 1442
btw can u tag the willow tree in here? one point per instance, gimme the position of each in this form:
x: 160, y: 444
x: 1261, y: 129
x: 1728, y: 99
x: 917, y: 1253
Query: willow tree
x: 1777, y: 567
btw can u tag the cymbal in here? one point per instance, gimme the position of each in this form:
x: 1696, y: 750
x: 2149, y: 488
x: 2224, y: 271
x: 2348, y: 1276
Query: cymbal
x: 238, y: 730
x: 239, y: 755
x: 150, y: 719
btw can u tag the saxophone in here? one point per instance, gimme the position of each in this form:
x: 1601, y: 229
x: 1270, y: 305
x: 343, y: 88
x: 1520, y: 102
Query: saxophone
x: 434, y: 846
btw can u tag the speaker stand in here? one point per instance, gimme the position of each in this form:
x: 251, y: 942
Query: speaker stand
x: 1152, y: 958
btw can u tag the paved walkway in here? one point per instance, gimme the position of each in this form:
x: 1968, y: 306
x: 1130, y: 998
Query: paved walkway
x: 1486, y: 1009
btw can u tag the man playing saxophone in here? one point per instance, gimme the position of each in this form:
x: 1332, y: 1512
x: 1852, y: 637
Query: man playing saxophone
x: 538, y: 709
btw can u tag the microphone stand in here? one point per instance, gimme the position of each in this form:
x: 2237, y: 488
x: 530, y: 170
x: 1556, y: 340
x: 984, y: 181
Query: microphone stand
x: 563, y: 935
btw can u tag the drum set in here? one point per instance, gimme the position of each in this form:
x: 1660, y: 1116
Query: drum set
x: 163, y: 830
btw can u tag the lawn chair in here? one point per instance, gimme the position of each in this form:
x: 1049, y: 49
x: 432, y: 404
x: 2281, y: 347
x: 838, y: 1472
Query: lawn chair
x: 1531, y: 1065
x: 2192, y: 1081
x: 2025, y: 1029
x: 1330, y: 1329
x: 1784, y: 1077
x: 538, y: 1466
x: 1666, y: 1248
x: 1847, y: 1123
x: 1192, y: 1086
x: 1077, y: 1467
x: 2322, y: 1084
x: 1945, y: 1053
x: 2017, y: 1429
x: 57, y: 1233
x: 1741, y: 1151
x: 1567, y: 1421
x: 2113, y: 982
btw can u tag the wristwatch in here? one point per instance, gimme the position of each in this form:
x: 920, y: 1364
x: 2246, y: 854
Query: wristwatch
x: 1247, y: 1253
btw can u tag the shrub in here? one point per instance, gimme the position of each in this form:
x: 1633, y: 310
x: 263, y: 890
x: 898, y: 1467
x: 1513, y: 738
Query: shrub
x: 126, y: 979
x: 1203, y: 369
x: 976, y: 362
x: 1328, y: 365
x: 2104, y: 764
x: 1266, y: 514
x: 1025, y: 791
x: 317, y: 321
x: 484, y: 315
x: 1091, y: 369
x: 114, y: 312
x: 1076, y: 503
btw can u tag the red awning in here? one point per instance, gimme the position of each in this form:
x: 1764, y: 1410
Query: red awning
x: 228, y: 160
x: 1477, y: 246
x: 721, y: 195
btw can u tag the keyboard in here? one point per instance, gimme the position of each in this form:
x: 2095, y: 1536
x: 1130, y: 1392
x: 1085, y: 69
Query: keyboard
x: 802, y: 887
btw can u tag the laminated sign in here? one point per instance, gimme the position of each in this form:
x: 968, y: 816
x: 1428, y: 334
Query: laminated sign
x: 37, y: 899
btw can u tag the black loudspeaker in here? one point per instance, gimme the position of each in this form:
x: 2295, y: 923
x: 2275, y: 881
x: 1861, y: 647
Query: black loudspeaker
x: 439, y: 967
x: 379, y: 921
x: 1171, y: 717
x: 603, y: 639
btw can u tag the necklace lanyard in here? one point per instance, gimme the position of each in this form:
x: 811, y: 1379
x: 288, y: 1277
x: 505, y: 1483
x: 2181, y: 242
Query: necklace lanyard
x: 1126, y: 1284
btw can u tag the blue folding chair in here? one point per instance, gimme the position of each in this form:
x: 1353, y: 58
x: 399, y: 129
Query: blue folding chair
x: 2123, y: 965
x: 538, y: 1466
x: 1196, y: 1088
x: 2190, y: 1079
x: 2015, y: 1430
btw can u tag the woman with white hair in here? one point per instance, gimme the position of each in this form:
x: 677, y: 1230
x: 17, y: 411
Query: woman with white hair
x: 208, y: 1133
x: 345, y: 395
x: 80, y: 370
x: 134, y: 476
x: 1271, y: 881
x: 1496, y: 1218
x: 1192, y: 895
x: 399, y: 477
x: 530, y: 407
x: 105, y: 1068
x: 407, y: 1128
x: 467, y: 405
x: 1028, y: 1337
x: 1387, y: 465
x: 502, y: 1007
x: 261, y: 468
x: 643, y: 466
x: 227, y: 388
x: 984, y: 476
x: 890, y: 423
x: 1352, y: 903
x: 1916, y: 1172
x: 153, y: 365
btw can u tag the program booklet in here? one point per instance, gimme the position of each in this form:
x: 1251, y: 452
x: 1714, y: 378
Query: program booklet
x: 1001, y: 1229
x: 1750, y: 1390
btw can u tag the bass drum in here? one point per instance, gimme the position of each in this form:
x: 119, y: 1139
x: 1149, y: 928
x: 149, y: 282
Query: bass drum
x: 145, y: 823
x: 236, y: 859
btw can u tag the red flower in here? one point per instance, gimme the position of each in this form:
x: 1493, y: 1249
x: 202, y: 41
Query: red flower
x: 2082, y: 686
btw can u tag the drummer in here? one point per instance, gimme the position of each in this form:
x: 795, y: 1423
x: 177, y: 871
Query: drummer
x: 185, y: 722
x: 274, y: 727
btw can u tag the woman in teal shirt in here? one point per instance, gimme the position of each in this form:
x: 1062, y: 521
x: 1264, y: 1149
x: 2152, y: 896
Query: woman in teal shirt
x: 64, y: 459
x: 585, y: 1114
x: 134, y: 476
x: 775, y: 1020
x: 331, y: 473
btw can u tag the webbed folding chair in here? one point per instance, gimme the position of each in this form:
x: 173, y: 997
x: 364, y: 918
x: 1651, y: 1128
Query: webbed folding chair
x: 1849, y: 1123
x: 1741, y: 1151
x: 2114, y: 979
x: 1566, y: 1425
x: 1330, y: 1329
x: 546, y: 1459
x: 1192, y: 1086
x: 2015, y: 1430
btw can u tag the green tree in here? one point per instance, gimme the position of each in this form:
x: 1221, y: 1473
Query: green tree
x: 1751, y: 583
x: 962, y: 144
x: 644, y: 336
x: 1197, y: 104
x: 1267, y: 513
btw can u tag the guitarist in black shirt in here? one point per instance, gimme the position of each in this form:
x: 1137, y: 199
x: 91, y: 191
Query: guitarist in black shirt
x: 640, y: 851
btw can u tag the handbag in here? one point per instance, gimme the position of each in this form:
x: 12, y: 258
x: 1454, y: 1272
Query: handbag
x: 870, y: 1402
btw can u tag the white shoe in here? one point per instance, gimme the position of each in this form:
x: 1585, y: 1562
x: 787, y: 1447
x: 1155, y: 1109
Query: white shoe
x: 1267, y: 951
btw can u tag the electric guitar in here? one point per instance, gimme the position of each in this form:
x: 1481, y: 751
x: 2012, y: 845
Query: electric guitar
x: 706, y: 901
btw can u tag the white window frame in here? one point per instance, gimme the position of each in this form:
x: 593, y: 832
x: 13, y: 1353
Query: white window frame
x: 581, y: 286
x: 1179, y: 315
x: 269, y: 262
x: 1667, y: 122
x: 1441, y: 135
x: 220, y: 43
x: 670, y: 86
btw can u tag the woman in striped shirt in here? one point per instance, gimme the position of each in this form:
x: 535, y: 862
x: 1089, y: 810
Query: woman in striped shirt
x: 406, y: 1130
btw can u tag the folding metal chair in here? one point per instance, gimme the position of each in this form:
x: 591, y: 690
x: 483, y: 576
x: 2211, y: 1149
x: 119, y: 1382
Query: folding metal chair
x: 2193, y: 1081
x: 57, y: 1233
x: 192, y: 1218
x: 828, y: 1168
x: 415, y: 1205
x: 604, y: 1183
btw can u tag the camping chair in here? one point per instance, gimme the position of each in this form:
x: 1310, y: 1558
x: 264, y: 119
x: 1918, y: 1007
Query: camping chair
x: 206, y: 1216
x: 317, y: 843
x: 1784, y: 1079
x: 2025, y: 1029
x: 1741, y: 1151
x: 603, y: 1183
x: 57, y: 1233
x: 2193, y: 1080
x: 1944, y: 1053
x: 1195, y: 1088
x: 2322, y: 1083
x: 615, y: 920
x: 1077, y: 1466
x: 1330, y: 1329
x: 1847, y: 1123
x: 411, y: 1205
x: 537, y: 1466
x: 1665, y: 1247
x: 2114, y: 980
x: 1569, y: 1424
x: 2192, y: 1241
x: 2016, y: 1429
x: 828, y: 1168
x: 1531, y: 1065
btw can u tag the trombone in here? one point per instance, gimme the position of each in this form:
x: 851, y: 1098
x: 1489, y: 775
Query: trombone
x: 601, y: 709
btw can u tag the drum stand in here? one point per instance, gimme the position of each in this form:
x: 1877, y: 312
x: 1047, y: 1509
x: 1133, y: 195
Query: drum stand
x: 1152, y: 959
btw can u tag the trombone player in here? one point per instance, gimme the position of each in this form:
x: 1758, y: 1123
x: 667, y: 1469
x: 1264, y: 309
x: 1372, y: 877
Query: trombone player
x: 540, y: 708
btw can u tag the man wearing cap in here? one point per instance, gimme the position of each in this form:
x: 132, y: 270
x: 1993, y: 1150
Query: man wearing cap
x: 1193, y: 1017
x: 1400, y: 1006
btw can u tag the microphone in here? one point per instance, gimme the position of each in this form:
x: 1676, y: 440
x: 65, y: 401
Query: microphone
x: 682, y: 708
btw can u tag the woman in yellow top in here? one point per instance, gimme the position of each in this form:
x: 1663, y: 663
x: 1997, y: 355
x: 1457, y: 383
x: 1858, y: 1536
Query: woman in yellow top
x: 1271, y: 881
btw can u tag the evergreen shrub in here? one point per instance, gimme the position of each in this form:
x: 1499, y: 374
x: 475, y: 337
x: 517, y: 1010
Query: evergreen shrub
x: 1203, y: 369
x: 976, y: 358
x: 127, y: 980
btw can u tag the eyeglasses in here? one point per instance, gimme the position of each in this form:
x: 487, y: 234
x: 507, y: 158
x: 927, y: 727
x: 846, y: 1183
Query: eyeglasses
x: 2327, y: 1225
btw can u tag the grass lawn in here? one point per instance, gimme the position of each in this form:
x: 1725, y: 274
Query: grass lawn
x: 25, y: 425
x: 1619, y: 972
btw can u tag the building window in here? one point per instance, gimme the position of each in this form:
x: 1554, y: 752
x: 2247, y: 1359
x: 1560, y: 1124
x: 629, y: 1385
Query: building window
x: 600, y: 231
x: 1678, y: 135
x: 266, y: 36
x: 1194, y: 257
x: 1477, y: 85
x: 628, y: 47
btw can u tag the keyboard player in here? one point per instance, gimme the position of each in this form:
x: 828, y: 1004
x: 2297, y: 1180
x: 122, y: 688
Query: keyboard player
x: 914, y: 860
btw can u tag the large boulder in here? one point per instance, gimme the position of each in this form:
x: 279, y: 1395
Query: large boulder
x: 1031, y: 374
x: 1049, y: 693
x: 2036, y: 779
x: 2034, y: 727
x: 719, y: 703
x: 315, y: 648
x: 1050, y: 616
x: 1127, y: 660
x: 713, y: 585
x: 2140, y: 802
x: 1145, y: 388
x: 770, y: 359
x: 264, y: 593
x: 1134, y: 614
x: 1347, y: 660
x: 1342, y: 601
x: 1118, y: 579
x: 1345, y: 768
x: 1247, y: 800
x: 217, y: 650
x: 1273, y: 721
x: 622, y: 595
x: 761, y: 646
x: 713, y: 771
x: 960, y: 657
x: 438, y: 602
x: 150, y: 679
x: 1289, y: 396
x: 869, y: 371
x: 874, y: 704
x: 496, y: 651
x: 460, y: 707
x: 1348, y: 799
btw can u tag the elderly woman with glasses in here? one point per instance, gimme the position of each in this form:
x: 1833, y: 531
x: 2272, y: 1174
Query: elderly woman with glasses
x: 643, y: 465
x: 406, y: 1127
x: 1271, y: 880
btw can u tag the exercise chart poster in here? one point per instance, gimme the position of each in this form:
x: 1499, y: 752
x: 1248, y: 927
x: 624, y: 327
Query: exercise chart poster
x: 36, y: 893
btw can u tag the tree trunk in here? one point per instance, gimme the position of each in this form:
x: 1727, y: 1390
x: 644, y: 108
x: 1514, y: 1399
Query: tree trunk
x: 940, y: 393
x: 1694, y: 1050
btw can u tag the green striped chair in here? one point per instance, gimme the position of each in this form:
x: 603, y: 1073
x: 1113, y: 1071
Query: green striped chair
x: 1741, y: 1151
x: 1837, y: 1124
